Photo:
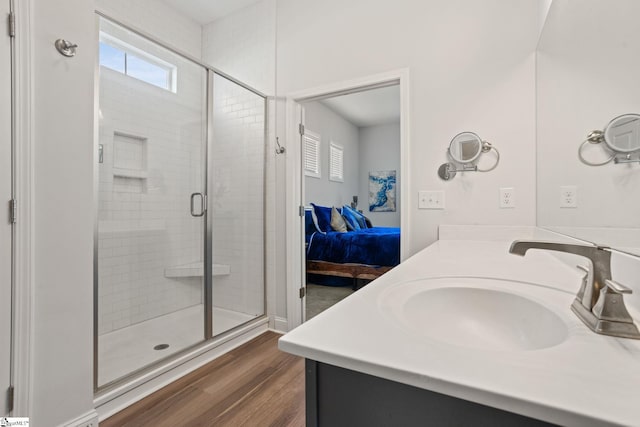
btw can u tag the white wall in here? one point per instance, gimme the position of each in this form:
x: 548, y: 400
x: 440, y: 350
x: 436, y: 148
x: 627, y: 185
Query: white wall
x: 577, y: 94
x: 62, y: 108
x: 242, y: 45
x: 472, y: 68
x: 332, y: 128
x: 379, y: 151
x: 544, y: 11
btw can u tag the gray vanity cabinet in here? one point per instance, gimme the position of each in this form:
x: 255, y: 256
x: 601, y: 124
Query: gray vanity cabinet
x: 340, y: 397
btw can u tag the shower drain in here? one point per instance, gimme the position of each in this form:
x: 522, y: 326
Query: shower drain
x: 161, y: 346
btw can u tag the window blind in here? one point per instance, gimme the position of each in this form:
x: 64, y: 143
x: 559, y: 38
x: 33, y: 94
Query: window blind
x: 311, y: 143
x: 336, y: 162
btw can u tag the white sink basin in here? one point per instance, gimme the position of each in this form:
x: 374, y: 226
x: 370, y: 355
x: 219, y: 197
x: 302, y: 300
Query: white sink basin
x: 488, y: 314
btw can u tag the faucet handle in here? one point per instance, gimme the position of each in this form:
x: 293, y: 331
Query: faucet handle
x: 585, y: 280
x: 617, y: 288
x: 583, y: 268
x: 610, y: 306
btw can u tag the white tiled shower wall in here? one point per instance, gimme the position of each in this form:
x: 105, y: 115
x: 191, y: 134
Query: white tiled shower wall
x: 132, y: 287
x: 144, y: 219
x: 242, y: 45
x: 237, y: 197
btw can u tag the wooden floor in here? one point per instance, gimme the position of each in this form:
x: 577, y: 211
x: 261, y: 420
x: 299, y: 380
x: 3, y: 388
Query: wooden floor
x: 253, y: 385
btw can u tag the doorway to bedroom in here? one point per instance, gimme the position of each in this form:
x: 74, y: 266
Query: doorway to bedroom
x: 351, y: 167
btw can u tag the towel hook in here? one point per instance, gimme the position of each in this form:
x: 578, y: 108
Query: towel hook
x: 66, y: 48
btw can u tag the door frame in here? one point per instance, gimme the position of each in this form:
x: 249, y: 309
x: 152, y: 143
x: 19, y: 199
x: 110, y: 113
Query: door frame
x: 23, y: 248
x: 294, y: 184
x: 7, y: 198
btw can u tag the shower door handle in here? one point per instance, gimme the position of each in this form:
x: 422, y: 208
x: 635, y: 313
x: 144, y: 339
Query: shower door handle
x: 203, y: 209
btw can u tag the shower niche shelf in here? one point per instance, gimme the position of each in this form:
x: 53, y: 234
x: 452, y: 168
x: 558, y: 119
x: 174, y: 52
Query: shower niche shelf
x: 195, y: 269
x: 129, y: 156
x: 130, y: 173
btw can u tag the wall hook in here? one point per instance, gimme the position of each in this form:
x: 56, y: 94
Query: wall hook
x: 66, y: 48
x: 280, y: 149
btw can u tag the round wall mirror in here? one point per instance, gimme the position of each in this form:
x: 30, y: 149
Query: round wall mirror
x: 465, y: 147
x: 622, y: 134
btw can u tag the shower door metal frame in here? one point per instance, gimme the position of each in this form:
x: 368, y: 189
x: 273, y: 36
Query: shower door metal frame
x: 208, y: 222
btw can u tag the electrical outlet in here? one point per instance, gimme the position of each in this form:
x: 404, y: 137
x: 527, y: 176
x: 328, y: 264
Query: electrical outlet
x: 568, y: 196
x: 431, y: 200
x: 507, y: 198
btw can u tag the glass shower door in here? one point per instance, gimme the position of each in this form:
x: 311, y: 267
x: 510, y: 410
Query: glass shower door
x: 236, y: 195
x: 150, y: 214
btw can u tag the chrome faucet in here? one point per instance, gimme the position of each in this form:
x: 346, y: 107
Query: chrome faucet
x: 599, y: 302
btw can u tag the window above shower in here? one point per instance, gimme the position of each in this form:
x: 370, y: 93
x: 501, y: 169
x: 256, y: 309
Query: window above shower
x: 133, y: 62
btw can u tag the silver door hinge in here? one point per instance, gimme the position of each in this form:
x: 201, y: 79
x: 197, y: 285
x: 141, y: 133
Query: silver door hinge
x: 301, y: 129
x: 12, y: 24
x: 13, y: 210
x: 303, y: 292
x: 301, y: 210
x: 10, y: 398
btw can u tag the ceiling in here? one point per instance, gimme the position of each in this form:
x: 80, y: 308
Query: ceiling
x: 206, y: 11
x: 368, y: 108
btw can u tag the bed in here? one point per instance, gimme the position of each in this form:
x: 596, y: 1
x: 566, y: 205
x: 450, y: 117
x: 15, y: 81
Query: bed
x: 361, y: 254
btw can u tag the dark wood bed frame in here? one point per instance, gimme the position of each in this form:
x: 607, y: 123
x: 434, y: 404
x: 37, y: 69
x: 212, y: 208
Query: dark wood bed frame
x: 357, y: 272
x: 360, y: 273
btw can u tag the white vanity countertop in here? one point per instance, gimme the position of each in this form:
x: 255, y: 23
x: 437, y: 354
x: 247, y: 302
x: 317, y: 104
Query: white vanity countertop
x: 588, y: 380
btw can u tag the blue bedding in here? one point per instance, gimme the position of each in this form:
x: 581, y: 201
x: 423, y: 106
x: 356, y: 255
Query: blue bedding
x: 377, y: 246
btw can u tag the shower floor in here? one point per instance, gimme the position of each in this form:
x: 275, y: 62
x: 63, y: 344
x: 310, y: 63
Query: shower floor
x: 128, y: 349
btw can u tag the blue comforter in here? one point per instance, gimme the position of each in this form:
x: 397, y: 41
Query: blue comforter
x: 377, y: 246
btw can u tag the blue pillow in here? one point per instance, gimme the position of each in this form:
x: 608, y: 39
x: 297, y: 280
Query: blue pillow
x: 322, y: 218
x: 309, y: 224
x: 355, y: 218
x: 350, y: 219
x: 362, y: 220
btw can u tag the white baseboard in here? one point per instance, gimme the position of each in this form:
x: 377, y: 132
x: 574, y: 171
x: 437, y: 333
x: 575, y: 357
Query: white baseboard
x: 89, y: 419
x: 281, y: 324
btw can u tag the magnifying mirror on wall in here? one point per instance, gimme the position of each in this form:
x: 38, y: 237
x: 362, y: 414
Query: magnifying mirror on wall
x: 621, y: 137
x: 465, y: 149
x: 622, y: 134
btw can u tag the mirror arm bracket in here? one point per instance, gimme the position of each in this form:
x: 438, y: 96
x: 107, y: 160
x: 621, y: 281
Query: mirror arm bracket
x: 626, y: 159
x: 465, y: 168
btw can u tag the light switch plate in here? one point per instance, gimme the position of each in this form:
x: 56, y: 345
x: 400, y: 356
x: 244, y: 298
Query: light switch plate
x: 431, y: 200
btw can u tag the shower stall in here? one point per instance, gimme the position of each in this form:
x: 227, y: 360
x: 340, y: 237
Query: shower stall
x: 180, y: 182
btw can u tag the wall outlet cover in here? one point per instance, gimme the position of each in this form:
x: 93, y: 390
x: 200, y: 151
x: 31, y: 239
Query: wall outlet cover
x: 568, y: 196
x: 507, y: 198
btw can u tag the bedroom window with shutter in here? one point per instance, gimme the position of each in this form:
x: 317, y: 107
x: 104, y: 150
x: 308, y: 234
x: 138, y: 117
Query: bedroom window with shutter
x: 336, y: 162
x: 311, y: 142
